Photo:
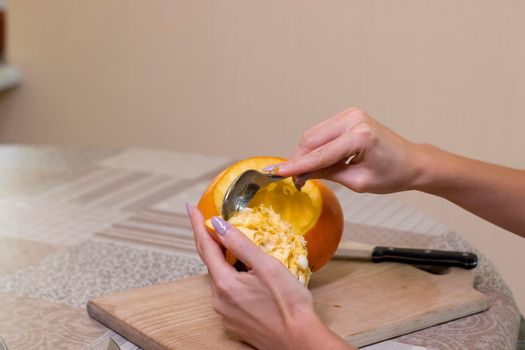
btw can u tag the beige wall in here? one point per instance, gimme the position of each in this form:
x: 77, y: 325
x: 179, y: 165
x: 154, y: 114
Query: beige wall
x: 244, y: 77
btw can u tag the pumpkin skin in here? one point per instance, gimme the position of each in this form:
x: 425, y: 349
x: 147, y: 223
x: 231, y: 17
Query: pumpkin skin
x: 317, y: 202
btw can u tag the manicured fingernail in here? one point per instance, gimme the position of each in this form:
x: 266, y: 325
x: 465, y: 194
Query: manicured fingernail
x: 189, y: 208
x: 272, y: 169
x: 220, y: 225
x: 269, y: 168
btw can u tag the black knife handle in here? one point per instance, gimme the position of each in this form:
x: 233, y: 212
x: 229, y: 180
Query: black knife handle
x: 465, y: 260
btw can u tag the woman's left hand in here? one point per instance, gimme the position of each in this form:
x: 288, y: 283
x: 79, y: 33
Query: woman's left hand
x: 265, y: 306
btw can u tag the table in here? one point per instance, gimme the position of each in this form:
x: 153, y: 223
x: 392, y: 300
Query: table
x: 79, y: 223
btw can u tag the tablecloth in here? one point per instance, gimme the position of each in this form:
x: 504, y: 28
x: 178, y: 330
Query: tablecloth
x: 80, y: 223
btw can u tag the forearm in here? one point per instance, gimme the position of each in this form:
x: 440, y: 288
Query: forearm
x: 492, y: 192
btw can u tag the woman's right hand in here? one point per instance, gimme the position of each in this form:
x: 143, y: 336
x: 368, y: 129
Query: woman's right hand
x: 355, y: 150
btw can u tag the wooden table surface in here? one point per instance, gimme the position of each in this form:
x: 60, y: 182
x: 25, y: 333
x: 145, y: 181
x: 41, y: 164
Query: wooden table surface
x: 80, y: 223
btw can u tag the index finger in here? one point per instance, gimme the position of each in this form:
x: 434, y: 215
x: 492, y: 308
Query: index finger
x: 208, y: 249
x: 332, y: 153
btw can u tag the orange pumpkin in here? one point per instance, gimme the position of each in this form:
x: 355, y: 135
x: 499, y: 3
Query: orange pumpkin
x: 313, y: 213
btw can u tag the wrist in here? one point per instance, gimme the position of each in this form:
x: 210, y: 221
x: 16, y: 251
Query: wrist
x: 438, y: 172
x: 427, y: 166
x: 304, y: 322
x: 309, y: 332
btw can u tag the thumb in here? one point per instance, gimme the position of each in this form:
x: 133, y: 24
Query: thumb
x: 332, y: 173
x: 240, y: 245
x: 329, y: 154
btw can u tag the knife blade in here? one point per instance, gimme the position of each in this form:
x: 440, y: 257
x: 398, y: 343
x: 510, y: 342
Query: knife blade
x: 428, y: 257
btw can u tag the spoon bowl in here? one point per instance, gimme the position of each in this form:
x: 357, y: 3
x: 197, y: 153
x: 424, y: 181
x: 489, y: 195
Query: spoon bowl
x: 243, y: 189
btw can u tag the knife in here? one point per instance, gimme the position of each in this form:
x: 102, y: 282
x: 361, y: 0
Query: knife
x: 427, y: 257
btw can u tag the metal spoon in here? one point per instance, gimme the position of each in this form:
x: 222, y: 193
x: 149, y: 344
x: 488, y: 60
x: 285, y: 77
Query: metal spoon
x: 243, y: 189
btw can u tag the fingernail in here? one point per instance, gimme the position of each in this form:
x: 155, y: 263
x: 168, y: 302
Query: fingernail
x: 189, y: 208
x: 220, y: 225
x: 272, y: 169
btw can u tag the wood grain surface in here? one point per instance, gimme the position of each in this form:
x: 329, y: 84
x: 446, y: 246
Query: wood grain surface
x: 362, y: 302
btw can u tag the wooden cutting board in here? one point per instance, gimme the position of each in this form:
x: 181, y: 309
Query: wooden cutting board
x: 362, y: 302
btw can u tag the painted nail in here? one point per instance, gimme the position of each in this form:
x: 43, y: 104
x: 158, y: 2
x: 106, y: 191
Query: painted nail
x: 189, y: 208
x: 220, y: 225
x: 269, y: 168
x: 272, y: 169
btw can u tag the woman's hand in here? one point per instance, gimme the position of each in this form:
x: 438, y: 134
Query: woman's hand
x: 355, y: 150
x: 384, y: 162
x: 266, y: 306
